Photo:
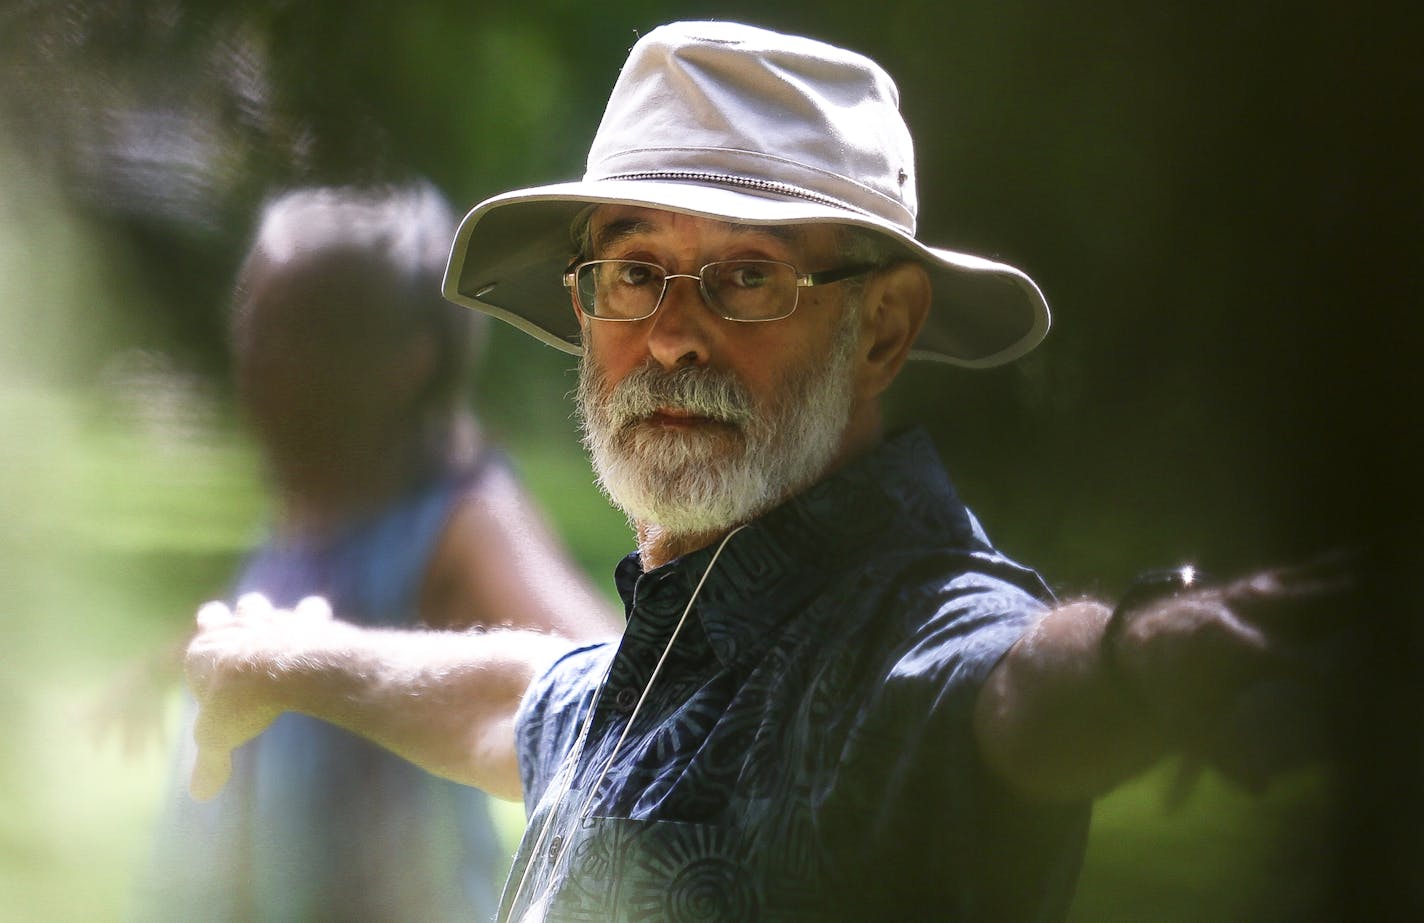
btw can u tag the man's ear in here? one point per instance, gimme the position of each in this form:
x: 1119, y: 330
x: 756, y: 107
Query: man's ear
x: 896, y: 303
x: 582, y: 319
x: 578, y: 313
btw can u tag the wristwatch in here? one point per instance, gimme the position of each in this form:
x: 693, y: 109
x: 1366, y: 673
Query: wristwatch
x: 1146, y: 590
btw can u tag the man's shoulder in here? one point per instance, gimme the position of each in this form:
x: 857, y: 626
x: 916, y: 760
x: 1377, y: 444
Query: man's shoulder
x: 929, y: 612
x: 925, y: 578
x: 575, y: 671
x: 553, y: 705
x: 566, y: 687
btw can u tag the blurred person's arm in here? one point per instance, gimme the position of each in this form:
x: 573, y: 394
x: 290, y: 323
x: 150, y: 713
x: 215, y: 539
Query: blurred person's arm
x: 498, y: 564
x: 1241, y: 676
x: 441, y: 699
x: 131, y: 706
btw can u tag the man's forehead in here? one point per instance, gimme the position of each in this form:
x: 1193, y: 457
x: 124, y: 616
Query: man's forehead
x: 610, y: 224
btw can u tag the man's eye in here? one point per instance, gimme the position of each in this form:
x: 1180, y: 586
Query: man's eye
x: 636, y: 274
x: 748, y: 275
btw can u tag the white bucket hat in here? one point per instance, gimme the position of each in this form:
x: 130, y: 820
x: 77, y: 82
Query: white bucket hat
x: 739, y: 124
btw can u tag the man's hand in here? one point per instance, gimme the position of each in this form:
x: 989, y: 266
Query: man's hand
x: 1246, y: 675
x: 234, y: 666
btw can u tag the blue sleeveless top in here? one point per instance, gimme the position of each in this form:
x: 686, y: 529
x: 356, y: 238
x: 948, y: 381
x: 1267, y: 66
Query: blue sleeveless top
x: 317, y: 823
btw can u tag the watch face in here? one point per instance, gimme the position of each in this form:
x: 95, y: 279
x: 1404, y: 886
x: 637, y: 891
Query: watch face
x: 1160, y: 584
x: 1147, y: 588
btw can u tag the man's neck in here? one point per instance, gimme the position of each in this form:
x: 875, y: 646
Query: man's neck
x: 657, y: 546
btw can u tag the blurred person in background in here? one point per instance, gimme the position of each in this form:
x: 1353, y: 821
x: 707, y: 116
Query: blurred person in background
x: 391, y: 505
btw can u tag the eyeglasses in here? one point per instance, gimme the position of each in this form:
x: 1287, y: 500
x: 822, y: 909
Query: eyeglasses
x: 749, y: 291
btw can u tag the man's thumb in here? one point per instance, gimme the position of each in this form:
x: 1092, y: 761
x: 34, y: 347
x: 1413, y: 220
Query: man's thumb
x: 210, y: 773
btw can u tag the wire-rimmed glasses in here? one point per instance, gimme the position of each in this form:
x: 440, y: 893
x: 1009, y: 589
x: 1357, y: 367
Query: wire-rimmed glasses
x: 749, y: 291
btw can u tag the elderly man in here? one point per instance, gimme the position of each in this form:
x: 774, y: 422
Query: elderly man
x: 834, y: 699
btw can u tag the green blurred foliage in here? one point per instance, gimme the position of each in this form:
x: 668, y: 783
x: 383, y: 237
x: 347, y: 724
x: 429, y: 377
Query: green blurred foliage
x: 1216, y: 199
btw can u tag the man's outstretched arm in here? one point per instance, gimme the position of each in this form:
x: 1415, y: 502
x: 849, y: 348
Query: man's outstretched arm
x: 1242, y: 676
x: 443, y: 700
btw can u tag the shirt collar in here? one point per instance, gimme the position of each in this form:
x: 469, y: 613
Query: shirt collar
x: 895, y: 495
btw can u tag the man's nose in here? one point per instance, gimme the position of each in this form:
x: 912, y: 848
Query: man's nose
x: 680, y: 333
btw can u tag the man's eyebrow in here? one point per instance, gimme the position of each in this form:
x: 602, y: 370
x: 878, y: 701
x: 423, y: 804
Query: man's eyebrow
x: 786, y: 233
x: 615, y: 231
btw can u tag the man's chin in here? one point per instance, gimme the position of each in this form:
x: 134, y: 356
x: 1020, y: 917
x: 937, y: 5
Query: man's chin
x: 683, y: 484
x: 674, y: 518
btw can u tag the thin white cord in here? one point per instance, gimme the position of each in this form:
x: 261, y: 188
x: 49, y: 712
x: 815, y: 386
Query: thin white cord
x: 568, y: 769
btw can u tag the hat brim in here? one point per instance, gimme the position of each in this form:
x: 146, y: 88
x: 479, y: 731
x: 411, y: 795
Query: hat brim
x: 511, y: 251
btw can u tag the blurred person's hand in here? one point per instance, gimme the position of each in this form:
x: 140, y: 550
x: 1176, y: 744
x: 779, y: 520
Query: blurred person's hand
x: 132, y: 706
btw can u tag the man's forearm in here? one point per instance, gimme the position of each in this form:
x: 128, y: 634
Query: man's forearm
x: 1054, y: 721
x: 444, y: 700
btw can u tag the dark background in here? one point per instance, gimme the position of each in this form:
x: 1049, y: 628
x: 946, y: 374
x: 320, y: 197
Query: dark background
x: 1221, y: 202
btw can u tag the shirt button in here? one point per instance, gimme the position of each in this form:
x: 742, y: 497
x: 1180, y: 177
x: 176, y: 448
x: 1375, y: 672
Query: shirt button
x: 626, y: 699
x: 555, y: 845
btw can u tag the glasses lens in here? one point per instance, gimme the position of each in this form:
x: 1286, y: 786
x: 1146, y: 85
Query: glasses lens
x: 619, y: 289
x: 751, y: 289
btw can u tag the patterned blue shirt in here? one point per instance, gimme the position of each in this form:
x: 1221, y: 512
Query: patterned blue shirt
x: 806, y: 752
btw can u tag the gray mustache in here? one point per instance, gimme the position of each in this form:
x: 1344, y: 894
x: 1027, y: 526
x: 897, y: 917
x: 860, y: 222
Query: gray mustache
x: 707, y: 393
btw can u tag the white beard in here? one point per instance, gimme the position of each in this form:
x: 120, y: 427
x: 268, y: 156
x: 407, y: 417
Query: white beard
x: 709, y: 479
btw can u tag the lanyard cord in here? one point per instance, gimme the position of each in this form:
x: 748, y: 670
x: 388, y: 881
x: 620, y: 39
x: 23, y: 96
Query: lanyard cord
x: 569, y: 767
